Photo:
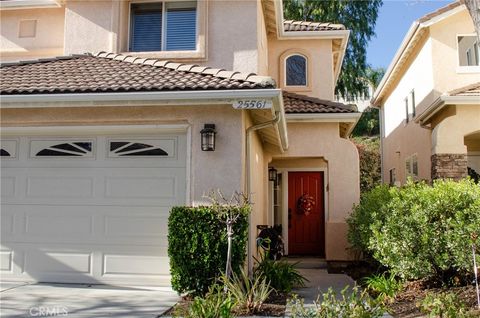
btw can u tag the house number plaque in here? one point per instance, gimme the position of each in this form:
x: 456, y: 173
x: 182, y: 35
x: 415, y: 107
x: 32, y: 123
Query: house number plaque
x: 252, y: 104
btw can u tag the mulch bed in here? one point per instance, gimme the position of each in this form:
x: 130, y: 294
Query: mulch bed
x: 405, y: 304
x: 274, y: 306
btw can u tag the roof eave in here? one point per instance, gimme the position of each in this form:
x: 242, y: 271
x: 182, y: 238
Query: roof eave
x: 412, y: 33
x: 323, y: 117
x: 441, y: 102
x: 29, y: 4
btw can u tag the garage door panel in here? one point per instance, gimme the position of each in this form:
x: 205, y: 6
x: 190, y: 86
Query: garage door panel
x: 135, y: 265
x: 8, y: 187
x: 58, y: 187
x: 147, y: 226
x: 41, y: 261
x: 95, y: 218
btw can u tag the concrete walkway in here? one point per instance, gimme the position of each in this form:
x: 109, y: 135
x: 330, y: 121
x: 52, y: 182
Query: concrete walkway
x: 77, y: 300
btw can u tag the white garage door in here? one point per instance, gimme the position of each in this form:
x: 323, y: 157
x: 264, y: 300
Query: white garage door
x: 89, y: 209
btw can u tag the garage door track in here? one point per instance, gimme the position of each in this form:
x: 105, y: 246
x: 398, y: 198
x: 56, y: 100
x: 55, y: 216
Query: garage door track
x: 77, y: 300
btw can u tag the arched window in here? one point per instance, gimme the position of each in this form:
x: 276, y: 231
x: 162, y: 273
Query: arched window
x: 296, y: 70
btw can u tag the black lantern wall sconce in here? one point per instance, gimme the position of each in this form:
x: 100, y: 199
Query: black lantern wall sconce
x: 272, y: 174
x: 208, y: 137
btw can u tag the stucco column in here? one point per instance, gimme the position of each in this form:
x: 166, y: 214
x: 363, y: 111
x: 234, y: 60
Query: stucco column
x: 449, y: 153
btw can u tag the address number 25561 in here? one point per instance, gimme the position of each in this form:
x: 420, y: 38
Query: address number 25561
x: 252, y: 104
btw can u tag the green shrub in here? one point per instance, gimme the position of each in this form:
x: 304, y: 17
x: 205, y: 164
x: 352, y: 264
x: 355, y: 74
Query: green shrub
x: 197, y: 246
x: 372, y: 208
x: 353, y: 303
x: 383, y: 287
x: 216, y: 304
x: 369, y: 154
x: 425, y: 231
x: 443, y: 305
x: 249, y: 293
x: 281, y: 275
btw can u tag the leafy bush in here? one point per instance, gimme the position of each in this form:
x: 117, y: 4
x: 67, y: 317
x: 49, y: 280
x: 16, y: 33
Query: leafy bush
x: 373, y: 207
x: 444, y: 305
x: 369, y: 154
x: 216, y: 304
x: 353, y: 303
x: 426, y: 230
x: 197, y: 246
x: 281, y: 275
x: 383, y: 287
x: 249, y: 293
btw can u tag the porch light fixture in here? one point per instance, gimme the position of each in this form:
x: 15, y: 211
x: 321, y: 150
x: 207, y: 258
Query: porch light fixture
x: 272, y: 174
x: 208, y: 137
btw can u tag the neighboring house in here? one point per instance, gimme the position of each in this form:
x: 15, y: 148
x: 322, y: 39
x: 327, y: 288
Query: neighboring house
x: 96, y: 148
x: 429, y: 100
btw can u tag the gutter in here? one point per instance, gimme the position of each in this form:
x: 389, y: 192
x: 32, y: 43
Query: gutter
x: 129, y: 98
x: 28, y: 4
x: 324, y: 118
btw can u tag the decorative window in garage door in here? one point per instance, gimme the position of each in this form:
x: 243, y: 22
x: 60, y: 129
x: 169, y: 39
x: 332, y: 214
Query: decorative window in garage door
x: 141, y: 148
x: 8, y: 148
x: 61, y: 148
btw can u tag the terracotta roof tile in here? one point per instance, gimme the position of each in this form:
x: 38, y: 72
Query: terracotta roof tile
x: 292, y: 26
x: 440, y: 11
x: 470, y: 90
x: 108, y: 72
x: 301, y: 104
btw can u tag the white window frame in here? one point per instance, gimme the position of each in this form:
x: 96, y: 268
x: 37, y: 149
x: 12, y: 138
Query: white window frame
x: 466, y: 68
x: 307, y: 83
x: 409, y: 162
x: 163, y: 35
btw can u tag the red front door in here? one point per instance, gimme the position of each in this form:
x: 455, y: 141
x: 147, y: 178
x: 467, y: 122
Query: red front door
x: 306, y: 225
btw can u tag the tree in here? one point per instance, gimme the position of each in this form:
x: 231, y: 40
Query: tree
x: 473, y: 7
x: 359, y: 17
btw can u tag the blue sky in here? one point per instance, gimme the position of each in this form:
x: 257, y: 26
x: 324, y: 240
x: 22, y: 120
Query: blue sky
x: 394, y: 20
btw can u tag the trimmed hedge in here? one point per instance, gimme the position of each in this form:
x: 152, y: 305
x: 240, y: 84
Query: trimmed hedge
x: 418, y: 230
x: 197, y: 246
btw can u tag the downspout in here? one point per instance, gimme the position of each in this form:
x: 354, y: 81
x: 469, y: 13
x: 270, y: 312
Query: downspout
x: 248, y: 185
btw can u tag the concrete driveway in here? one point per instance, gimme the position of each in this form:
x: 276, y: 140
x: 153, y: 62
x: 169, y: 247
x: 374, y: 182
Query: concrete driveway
x: 77, y: 300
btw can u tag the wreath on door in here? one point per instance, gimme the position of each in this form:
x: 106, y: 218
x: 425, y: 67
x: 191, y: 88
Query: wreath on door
x: 305, y: 204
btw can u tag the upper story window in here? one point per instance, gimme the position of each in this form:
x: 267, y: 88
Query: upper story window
x: 468, y: 50
x: 296, y: 70
x: 163, y: 26
x: 410, y: 106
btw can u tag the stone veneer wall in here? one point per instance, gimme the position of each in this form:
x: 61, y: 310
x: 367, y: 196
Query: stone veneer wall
x: 452, y: 166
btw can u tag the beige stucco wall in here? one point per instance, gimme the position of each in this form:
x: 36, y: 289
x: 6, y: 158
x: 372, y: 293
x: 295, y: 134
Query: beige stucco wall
x: 258, y: 175
x: 228, y: 46
x: 432, y: 70
x: 219, y: 169
x: 319, y: 64
x: 48, y: 40
x: 447, y: 75
x: 321, y: 144
x: 449, y: 134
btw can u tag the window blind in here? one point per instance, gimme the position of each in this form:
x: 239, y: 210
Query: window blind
x: 181, y: 28
x: 146, y: 27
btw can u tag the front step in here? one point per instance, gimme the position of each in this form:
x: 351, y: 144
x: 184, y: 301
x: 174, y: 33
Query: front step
x: 307, y: 262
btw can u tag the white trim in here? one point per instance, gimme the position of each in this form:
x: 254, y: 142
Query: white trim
x: 326, y: 181
x: 92, y: 130
x: 324, y: 118
x: 467, y: 69
x: 125, y: 99
x: 29, y: 4
x: 443, y: 101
